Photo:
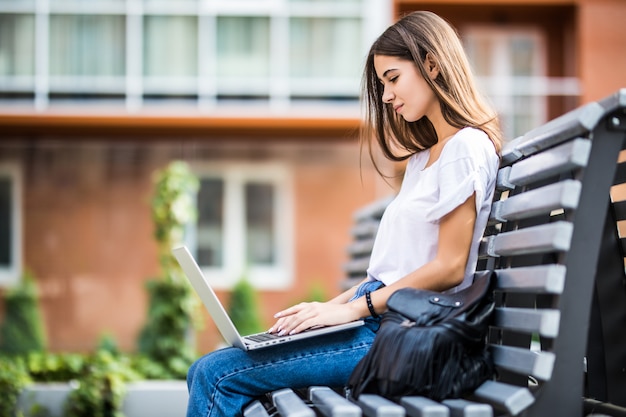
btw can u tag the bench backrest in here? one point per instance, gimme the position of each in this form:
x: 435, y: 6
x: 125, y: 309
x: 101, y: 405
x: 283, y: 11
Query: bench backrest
x: 552, y: 223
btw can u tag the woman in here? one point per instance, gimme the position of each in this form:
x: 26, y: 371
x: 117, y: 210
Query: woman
x: 423, y: 107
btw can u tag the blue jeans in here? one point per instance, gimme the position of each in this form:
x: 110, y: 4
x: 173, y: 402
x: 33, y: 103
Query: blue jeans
x: 223, y: 382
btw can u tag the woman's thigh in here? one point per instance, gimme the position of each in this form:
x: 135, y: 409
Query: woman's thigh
x: 229, y: 378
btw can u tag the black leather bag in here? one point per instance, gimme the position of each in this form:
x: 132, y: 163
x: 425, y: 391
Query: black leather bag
x: 430, y: 344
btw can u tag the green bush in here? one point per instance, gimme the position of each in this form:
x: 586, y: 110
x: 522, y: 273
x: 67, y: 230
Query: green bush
x: 101, y: 386
x: 13, y: 378
x: 107, y: 342
x: 22, y: 329
x: 317, y: 293
x: 243, y: 308
x: 49, y: 367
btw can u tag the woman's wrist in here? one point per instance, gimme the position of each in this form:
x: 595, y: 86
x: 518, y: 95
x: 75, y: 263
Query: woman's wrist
x: 370, y: 305
x: 358, y: 308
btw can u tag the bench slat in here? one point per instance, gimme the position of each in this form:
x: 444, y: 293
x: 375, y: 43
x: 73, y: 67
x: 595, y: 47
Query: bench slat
x: 365, y: 228
x: 357, y: 266
x: 539, y: 279
x: 377, y: 406
x: 544, y: 200
x: 255, y: 409
x: 465, y: 408
x: 503, y: 397
x: 289, y: 404
x: 331, y: 404
x: 562, y: 159
x: 373, y: 210
x: 542, y: 321
x: 551, y: 237
x: 424, y: 407
x: 523, y: 361
x: 502, y: 179
x: 361, y: 247
x: 577, y: 122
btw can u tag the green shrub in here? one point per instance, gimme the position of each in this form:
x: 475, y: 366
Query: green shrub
x: 22, y: 329
x: 101, y: 387
x: 317, y: 293
x: 107, y: 342
x: 50, y: 367
x: 243, y: 308
x: 13, y: 378
x: 149, y: 368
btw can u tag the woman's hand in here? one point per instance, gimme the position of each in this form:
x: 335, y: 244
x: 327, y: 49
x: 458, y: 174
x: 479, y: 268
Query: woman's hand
x: 307, y: 315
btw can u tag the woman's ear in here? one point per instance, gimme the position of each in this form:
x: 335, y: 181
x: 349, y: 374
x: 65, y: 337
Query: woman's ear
x: 431, y: 66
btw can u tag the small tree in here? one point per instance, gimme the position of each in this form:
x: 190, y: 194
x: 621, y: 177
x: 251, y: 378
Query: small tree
x: 172, y: 301
x: 22, y: 330
x: 243, y: 308
x: 317, y: 293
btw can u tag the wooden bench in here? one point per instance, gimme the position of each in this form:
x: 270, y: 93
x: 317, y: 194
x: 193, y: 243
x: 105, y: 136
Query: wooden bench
x: 553, y: 240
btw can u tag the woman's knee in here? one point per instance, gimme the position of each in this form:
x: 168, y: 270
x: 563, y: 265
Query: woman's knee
x: 214, y: 364
x: 191, y: 371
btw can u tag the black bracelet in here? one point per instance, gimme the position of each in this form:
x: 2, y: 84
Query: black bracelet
x: 370, y: 306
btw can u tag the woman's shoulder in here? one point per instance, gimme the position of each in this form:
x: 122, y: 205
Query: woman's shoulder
x: 470, y: 142
x: 471, y: 137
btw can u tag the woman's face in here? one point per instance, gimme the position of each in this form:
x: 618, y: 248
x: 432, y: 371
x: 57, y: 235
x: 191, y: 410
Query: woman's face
x: 404, y: 87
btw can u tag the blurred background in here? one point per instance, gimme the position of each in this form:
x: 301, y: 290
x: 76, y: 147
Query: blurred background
x: 260, y: 101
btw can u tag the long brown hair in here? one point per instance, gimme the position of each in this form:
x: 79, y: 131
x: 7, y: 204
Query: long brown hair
x: 412, y: 38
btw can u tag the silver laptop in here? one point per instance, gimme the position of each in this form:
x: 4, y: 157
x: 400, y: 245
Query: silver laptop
x: 223, y: 321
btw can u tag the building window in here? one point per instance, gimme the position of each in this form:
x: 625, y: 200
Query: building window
x: 87, y: 46
x: 244, y: 226
x: 260, y: 225
x: 17, y: 45
x: 160, y: 31
x: 243, y: 47
x: 511, y: 69
x: 203, y: 52
x: 325, y: 52
x: 10, y: 230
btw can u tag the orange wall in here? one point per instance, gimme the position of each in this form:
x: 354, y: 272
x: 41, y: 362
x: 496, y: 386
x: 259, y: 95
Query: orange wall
x: 602, y: 43
x: 88, y: 232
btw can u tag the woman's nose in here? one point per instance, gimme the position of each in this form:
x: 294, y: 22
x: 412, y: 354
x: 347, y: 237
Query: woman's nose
x: 387, y: 96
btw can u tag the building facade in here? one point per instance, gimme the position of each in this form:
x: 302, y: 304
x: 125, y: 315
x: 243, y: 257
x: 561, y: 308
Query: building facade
x: 261, y: 99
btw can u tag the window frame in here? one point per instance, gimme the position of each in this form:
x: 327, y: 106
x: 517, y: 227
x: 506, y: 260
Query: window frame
x: 10, y: 275
x: 279, y: 275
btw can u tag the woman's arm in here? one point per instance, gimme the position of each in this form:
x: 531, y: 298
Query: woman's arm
x: 447, y: 270
x: 345, y: 296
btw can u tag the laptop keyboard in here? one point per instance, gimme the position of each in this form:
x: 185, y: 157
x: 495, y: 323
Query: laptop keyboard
x: 262, y: 337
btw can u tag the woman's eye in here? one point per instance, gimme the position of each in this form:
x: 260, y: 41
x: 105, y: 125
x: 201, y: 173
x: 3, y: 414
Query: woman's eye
x: 393, y: 79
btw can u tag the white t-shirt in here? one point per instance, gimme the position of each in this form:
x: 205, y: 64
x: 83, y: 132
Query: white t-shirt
x: 409, y: 229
